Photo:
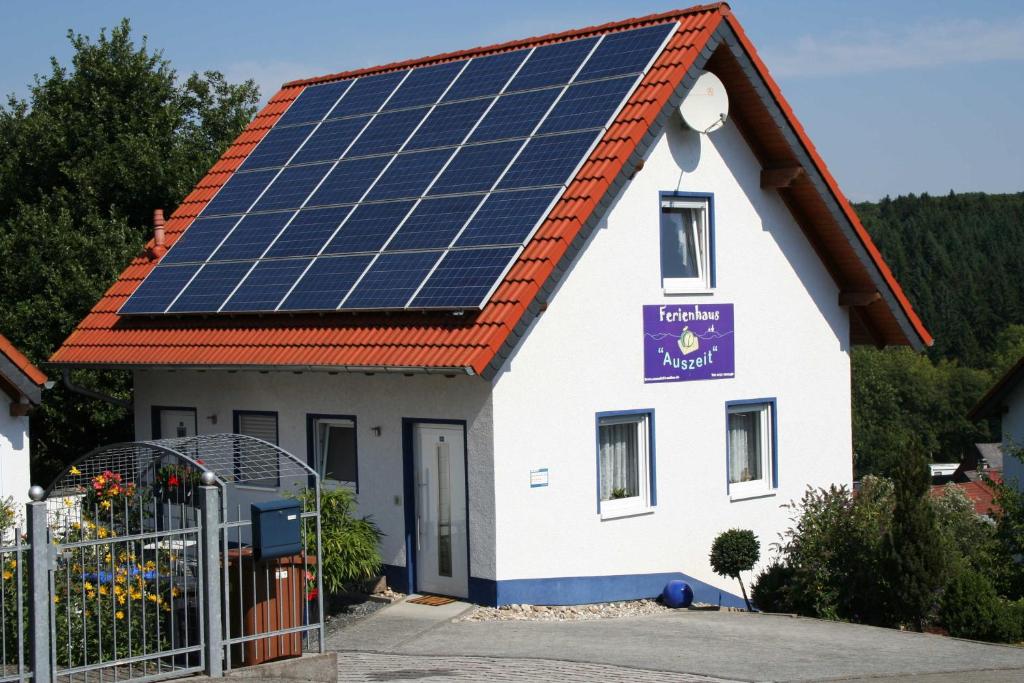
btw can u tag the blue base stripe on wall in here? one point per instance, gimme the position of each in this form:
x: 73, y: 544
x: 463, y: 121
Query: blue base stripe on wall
x: 575, y: 590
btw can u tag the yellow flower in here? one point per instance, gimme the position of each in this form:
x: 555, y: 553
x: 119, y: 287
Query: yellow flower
x: 105, y: 504
x: 150, y: 566
x: 118, y: 590
x: 120, y: 600
x: 76, y: 526
x: 121, y: 578
x: 87, y: 585
x: 176, y: 592
x: 152, y: 597
x: 74, y: 470
x: 56, y: 598
x: 91, y: 595
x: 68, y: 502
x: 104, y: 590
x: 7, y: 575
x: 12, y: 564
x: 119, y: 614
x: 135, y: 594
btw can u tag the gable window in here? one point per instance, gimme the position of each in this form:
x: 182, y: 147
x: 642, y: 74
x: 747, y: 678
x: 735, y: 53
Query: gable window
x: 259, y: 468
x: 333, y: 450
x: 751, y: 448
x: 625, y: 463
x: 686, y: 244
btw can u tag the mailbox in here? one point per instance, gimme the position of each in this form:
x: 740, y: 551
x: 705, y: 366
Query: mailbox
x: 275, y: 529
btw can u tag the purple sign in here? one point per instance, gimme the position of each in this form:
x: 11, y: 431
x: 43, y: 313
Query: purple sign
x: 684, y: 342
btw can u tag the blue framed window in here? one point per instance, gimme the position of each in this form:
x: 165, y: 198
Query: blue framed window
x: 259, y: 469
x: 332, y: 449
x: 687, y: 242
x: 752, y: 459
x: 625, y: 463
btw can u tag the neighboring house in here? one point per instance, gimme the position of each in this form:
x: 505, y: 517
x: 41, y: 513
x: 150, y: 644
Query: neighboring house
x: 559, y: 393
x: 981, y: 466
x: 1005, y: 400
x: 23, y: 384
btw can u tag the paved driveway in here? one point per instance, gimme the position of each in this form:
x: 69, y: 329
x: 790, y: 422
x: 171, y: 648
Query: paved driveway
x: 405, y: 642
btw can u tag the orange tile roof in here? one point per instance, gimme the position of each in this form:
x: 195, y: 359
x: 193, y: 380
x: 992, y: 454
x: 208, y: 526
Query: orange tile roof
x: 980, y: 493
x: 20, y: 361
x: 476, y: 342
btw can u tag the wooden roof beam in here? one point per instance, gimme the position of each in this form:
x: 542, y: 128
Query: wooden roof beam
x: 861, y: 298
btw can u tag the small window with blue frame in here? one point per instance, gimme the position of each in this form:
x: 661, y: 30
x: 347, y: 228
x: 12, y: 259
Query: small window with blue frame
x: 685, y: 244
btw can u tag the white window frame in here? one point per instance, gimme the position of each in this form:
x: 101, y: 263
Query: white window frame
x: 320, y: 463
x: 641, y: 503
x: 754, y: 488
x: 702, y: 282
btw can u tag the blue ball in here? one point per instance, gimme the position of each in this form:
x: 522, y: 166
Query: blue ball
x: 677, y: 594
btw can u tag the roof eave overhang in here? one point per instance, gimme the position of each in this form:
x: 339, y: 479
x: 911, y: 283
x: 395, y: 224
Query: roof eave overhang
x: 330, y: 369
x: 994, y: 400
x: 20, y: 382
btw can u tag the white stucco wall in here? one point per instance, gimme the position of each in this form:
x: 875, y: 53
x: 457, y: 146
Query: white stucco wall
x: 14, y: 457
x: 1013, y: 435
x: 585, y: 355
x: 377, y: 400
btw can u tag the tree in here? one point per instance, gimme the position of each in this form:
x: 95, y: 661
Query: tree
x: 913, y: 558
x: 735, y: 551
x: 97, y: 145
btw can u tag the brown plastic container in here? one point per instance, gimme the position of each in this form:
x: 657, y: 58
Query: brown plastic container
x: 267, y: 596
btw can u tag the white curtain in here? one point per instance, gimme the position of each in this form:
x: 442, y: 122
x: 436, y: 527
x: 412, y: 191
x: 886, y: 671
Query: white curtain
x: 744, y: 447
x: 619, y: 460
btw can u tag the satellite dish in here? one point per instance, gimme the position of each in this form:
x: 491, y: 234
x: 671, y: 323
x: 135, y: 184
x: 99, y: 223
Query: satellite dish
x: 706, y: 107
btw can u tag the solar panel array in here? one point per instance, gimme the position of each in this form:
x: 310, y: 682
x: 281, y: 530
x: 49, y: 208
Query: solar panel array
x: 415, y: 189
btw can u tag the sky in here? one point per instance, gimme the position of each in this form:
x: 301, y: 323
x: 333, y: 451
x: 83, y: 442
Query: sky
x: 898, y: 97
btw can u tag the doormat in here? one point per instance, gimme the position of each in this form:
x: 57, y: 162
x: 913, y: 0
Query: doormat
x: 431, y: 600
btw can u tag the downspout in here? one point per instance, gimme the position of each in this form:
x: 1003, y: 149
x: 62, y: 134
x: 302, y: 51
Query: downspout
x: 71, y: 386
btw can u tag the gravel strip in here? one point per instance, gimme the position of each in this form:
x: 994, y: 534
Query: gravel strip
x: 605, y: 610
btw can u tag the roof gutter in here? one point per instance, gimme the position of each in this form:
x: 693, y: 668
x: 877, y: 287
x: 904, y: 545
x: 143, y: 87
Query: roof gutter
x: 332, y: 369
x: 74, y: 388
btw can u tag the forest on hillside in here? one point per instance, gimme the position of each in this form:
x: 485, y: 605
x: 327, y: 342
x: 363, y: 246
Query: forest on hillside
x: 958, y: 257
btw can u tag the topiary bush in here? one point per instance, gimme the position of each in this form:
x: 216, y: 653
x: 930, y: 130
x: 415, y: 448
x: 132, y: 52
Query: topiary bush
x: 970, y: 608
x: 735, y: 551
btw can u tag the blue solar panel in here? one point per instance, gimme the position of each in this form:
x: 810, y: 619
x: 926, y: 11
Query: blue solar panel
x: 507, y: 217
x: 313, y: 102
x: 626, y: 52
x: 387, y: 132
x: 330, y: 140
x: 409, y: 175
x: 548, y: 160
x: 485, y: 75
x: 290, y: 189
x: 326, y: 283
x: 552, y: 64
x: 266, y: 285
x: 200, y: 239
x: 367, y: 94
x: 464, y: 278
x: 475, y: 168
x: 348, y: 181
x: 210, y: 287
x: 239, y: 192
x: 159, y: 288
x: 392, y: 279
x: 448, y: 124
x: 425, y: 85
x: 522, y: 121
x: 277, y: 147
x: 514, y: 116
x: 587, y: 105
x: 308, y: 232
x: 368, y: 227
x: 251, y: 237
x: 434, y: 223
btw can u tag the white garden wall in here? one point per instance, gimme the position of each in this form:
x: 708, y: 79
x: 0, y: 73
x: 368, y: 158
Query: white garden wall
x: 584, y: 355
x: 14, y: 457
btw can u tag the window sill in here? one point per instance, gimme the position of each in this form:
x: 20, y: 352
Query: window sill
x: 626, y: 512
x: 680, y: 291
x: 750, y: 495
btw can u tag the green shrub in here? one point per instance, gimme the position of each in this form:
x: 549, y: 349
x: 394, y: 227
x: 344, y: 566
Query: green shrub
x: 735, y: 551
x: 771, y: 589
x: 971, y: 608
x: 351, y: 551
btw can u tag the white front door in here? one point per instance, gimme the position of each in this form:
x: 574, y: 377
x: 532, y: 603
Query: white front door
x: 442, y: 564
x: 177, y: 423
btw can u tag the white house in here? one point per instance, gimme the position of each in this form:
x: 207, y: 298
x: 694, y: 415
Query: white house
x: 1005, y: 400
x: 664, y: 356
x: 23, y: 384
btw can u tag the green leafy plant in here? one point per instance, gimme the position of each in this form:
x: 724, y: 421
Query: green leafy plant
x: 351, y: 545
x: 971, y: 608
x: 771, y: 589
x: 619, y: 493
x: 735, y: 551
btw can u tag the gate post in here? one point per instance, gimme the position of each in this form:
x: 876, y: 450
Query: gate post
x: 209, y: 506
x: 40, y: 601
